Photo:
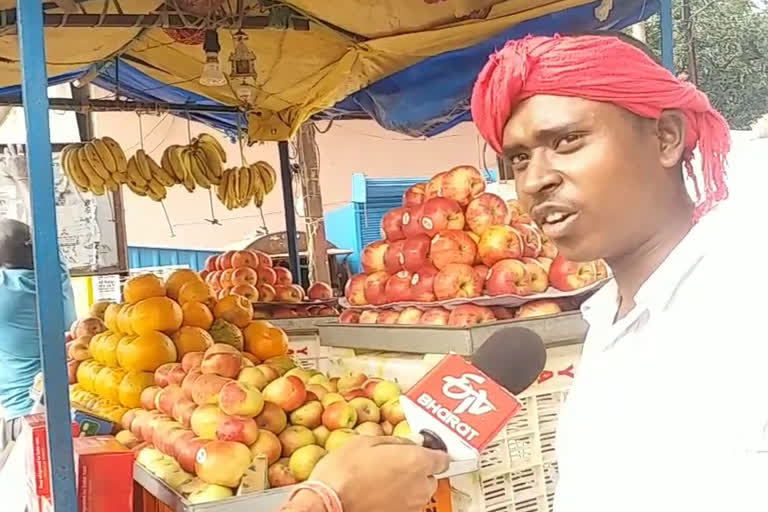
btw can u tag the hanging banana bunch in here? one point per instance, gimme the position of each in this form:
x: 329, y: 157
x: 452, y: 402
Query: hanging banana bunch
x: 97, y: 166
x: 146, y: 178
x: 241, y: 185
x: 201, y: 163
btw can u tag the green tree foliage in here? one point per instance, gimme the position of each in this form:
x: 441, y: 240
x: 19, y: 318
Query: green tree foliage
x: 731, y: 42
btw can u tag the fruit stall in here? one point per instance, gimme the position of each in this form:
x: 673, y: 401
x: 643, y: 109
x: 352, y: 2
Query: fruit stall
x: 184, y: 385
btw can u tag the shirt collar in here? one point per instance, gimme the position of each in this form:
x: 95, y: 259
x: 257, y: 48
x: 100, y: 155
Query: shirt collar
x: 657, y: 291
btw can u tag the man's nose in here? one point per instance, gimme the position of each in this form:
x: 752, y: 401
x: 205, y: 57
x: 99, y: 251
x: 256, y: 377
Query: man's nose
x: 539, y: 177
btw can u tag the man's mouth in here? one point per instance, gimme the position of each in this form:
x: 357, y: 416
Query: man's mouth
x: 557, y: 224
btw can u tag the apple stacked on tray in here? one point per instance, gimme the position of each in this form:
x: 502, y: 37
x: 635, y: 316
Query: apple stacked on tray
x: 452, y: 243
x: 251, y: 274
x: 206, y: 436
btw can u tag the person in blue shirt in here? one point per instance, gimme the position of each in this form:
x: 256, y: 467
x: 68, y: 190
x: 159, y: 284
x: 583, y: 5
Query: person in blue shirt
x: 19, y: 337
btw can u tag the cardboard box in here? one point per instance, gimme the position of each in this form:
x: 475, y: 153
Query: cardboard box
x: 104, y: 471
x: 38, y: 464
x: 91, y: 425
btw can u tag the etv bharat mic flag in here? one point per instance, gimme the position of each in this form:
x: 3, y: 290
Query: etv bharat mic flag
x: 460, y: 404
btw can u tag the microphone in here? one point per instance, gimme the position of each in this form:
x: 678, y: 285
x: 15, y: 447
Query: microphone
x: 459, y: 407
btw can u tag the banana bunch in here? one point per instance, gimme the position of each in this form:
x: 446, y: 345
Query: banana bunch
x: 201, y: 163
x: 241, y: 185
x: 146, y: 178
x: 97, y: 166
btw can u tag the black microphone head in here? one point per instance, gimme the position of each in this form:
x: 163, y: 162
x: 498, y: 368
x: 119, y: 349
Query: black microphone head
x: 513, y: 357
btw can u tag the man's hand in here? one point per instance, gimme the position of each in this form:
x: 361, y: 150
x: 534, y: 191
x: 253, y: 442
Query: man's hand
x: 379, y: 474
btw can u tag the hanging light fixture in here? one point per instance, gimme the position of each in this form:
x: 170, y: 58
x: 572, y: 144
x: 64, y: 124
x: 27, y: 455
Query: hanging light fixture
x: 243, y: 67
x: 212, y: 75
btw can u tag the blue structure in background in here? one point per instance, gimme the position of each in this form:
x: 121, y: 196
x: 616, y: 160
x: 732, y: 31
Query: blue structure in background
x: 359, y: 223
x: 143, y: 257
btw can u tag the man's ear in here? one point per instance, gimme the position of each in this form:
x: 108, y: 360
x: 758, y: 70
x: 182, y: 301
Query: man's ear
x: 670, y: 129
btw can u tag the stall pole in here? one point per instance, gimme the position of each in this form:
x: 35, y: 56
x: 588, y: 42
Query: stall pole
x: 50, y: 309
x: 667, y: 35
x: 290, y: 211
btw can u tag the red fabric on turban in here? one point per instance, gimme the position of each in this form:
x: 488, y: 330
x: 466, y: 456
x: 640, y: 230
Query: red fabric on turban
x: 605, y: 69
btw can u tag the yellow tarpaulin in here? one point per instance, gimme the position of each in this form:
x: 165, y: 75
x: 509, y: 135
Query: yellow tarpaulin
x: 350, y: 44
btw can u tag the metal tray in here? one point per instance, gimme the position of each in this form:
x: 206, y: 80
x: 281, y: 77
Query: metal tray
x: 555, y: 330
x: 307, y: 324
x: 266, y: 501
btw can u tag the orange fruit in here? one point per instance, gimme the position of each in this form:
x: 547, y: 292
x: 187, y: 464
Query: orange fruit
x: 105, y: 351
x: 196, y: 291
x: 111, y: 316
x: 143, y: 287
x: 235, y: 309
x: 191, y: 339
x: 178, y: 279
x: 146, y: 352
x: 129, y: 391
x: 107, y: 383
x: 124, y: 319
x: 264, y: 340
x: 156, y: 314
x: 197, y: 314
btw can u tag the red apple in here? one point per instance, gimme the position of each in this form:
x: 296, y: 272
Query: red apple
x: 265, y: 260
x: 414, y: 195
x: 248, y: 291
x: 320, y: 291
x: 412, y: 222
x: 423, y: 284
x: 372, y: 257
x: 435, y: 316
x: 516, y: 210
x: 392, y: 225
x: 538, y: 308
x: 457, y: 280
x: 506, y: 277
x: 210, y: 263
x: 440, y: 214
x: 288, y: 293
x: 375, y: 288
x: 244, y: 275
x: 485, y: 211
x: 462, y: 184
x: 481, y: 271
x: 502, y: 313
x: 410, y: 316
x: 470, y: 314
x: 244, y: 259
x: 532, y: 239
x: 225, y: 260
x: 288, y: 392
x: 214, y: 280
x: 369, y: 316
x: 434, y: 187
x: 185, y: 451
x: 267, y: 275
x: 548, y: 248
x: 452, y: 247
x: 498, y: 243
x: 388, y: 316
x: 536, y: 279
x: 284, y: 276
x: 568, y: 276
x: 267, y: 292
x: 416, y: 252
x: 354, y: 290
x: 349, y: 316
x: 398, y: 287
x: 546, y: 263
x: 393, y: 258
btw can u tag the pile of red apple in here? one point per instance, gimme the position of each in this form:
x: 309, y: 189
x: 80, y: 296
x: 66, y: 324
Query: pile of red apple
x: 237, y: 411
x: 251, y: 274
x: 452, y: 240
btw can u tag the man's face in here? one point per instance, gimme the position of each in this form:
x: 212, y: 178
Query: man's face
x: 588, y: 172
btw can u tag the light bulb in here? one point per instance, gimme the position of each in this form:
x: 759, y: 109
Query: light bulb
x: 212, y: 75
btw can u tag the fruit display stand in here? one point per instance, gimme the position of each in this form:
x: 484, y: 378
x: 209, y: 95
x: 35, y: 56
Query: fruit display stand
x: 564, y: 328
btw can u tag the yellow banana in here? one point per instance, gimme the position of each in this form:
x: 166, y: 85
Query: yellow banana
x: 156, y: 190
x: 93, y: 177
x: 117, y: 153
x: 211, y: 158
x: 268, y: 176
x: 244, y: 186
x: 137, y: 189
x: 195, y: 170
x: 142, y: 165
x: 72, y: 169
x: 133, y: 173
x: 221, y: 189
x: 189, y: 183
x: 105, y: 155
x: 259, y: 189
x: 160, y: 174
x: 97, y: 189
x: 176, y: 162
x: 93, y: 158
x: 209, y: 139
x: 199, y: 155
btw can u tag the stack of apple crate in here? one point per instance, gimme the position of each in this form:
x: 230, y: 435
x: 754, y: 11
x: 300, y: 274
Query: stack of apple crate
x: 518, y: 471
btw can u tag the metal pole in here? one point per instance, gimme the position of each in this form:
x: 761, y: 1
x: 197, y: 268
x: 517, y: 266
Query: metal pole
x: 667, y: 35
x: 290, y: 211
x: 50, y: 309
x: 690, y: 40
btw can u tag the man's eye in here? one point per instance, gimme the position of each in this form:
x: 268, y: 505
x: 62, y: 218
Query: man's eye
x: 569, y: 139
x: 518, y: 159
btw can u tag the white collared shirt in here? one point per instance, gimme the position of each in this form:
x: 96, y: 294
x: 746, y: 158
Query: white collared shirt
x: 669, y: 408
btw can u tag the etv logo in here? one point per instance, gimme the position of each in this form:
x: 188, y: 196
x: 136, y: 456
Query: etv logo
x: 473, y: 401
